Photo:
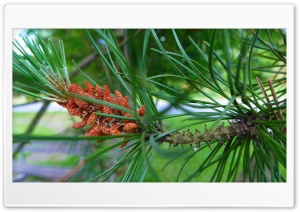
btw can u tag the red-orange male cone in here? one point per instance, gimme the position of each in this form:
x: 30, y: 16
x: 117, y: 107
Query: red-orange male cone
x: 100, y: 125
x: 89, y: 88
x: 142, y: 110
x: 130, y: 127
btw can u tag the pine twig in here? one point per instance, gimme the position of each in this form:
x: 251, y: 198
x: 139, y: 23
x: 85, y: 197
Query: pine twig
x: 70, y: 174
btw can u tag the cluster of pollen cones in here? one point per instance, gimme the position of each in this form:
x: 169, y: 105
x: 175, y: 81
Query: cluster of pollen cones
x: 100, y: 125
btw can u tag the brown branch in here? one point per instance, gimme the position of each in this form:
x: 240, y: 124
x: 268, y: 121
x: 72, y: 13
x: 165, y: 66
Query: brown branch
x: 86, y: 61
x: 32, y: 125
x: 70, y: 174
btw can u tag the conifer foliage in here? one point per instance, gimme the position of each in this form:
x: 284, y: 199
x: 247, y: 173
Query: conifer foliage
x: 246, y: 136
